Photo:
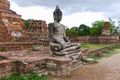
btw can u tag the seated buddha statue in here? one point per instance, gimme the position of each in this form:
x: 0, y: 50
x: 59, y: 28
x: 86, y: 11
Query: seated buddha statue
x: 60, y: 44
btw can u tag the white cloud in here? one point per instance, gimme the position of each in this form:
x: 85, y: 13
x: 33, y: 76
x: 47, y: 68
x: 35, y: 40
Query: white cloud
x: 71, y: 20
x: 83, y: 18
x: 39, y: 13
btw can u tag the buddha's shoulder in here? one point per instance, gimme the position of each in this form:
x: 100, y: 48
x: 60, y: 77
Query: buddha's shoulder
x: 52, y: 23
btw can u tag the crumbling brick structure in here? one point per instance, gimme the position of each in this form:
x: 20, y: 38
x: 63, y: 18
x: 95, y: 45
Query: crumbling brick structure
x: 37, y: 28
x: 10, y: 22
x: 108, y: 39
x: 106, y: 29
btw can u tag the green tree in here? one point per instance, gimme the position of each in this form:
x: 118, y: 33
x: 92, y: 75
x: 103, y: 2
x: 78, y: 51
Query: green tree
x: 97, y: 26
x: 27, y: 22
x: 72, y: 32
x: 75, y: 28
x: 115, y: 28
x: 84, y: 30
x: 93, y: 31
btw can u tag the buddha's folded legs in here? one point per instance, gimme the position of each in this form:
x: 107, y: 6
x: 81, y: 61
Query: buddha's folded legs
x: 71, y: 48
x: 72, y: 51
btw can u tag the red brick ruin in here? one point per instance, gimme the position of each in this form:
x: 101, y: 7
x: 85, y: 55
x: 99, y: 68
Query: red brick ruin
x: 12, y: 28
x: 37, y: 27
x: 11, y: 22
x: 106, y: 29
x: 15, y: 37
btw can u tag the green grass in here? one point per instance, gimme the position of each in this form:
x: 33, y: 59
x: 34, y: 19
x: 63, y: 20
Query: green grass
x: 30, y: 76
x: 107, y: 52
x: 113, y: 51
x: 70, y: 75
x: 90, y: 46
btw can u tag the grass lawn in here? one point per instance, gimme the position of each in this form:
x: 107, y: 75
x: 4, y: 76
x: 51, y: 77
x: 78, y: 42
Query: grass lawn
x: 90, y: 46
x: 107, y: 52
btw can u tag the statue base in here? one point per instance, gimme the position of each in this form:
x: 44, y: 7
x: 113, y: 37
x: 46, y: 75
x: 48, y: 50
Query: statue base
x: 40, y: 62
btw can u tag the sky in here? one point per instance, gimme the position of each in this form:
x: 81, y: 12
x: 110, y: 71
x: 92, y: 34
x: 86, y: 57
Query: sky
x: 75, y: 12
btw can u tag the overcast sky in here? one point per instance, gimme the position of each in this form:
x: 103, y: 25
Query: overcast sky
x: 75, y: 12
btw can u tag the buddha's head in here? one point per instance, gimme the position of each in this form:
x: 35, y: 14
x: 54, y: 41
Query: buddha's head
x: 57, y: 14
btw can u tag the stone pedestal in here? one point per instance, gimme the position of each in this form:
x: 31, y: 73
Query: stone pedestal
x: 37, y: 61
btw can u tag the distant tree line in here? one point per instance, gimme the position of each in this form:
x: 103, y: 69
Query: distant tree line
x: 95, y: 29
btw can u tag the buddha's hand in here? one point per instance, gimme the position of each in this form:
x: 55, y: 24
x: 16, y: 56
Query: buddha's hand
x: 63, y: 45
x: 66, y: 39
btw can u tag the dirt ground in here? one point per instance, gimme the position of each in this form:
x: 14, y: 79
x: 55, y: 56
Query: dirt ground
x: 106, y: 69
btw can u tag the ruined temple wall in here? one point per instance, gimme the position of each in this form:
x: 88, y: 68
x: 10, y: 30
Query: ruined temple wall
x: 37, y: 27
x: 10, y: 15
x: 3, y: 31
x: 11, y: 22
x: 45, y: 27
x: 7, y: 67
x: 109, y: 39
x: 5, y: 4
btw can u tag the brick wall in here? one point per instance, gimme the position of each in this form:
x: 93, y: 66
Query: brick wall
x: 7, y: 67
x: 96, y: 39
x: 108, y: 39
x: 8, y: 46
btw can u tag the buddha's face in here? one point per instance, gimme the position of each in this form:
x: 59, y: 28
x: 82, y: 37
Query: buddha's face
x: 57, y: 18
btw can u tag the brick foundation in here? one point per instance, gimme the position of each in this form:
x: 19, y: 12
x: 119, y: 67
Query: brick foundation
x: 96, y: 39
x: 8, y: 46
x: 38, y: 61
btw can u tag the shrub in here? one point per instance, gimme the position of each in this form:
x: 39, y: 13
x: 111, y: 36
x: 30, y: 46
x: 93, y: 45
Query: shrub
x: 30, y: 76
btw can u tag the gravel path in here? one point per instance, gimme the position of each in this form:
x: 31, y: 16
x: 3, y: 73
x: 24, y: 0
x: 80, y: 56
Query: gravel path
x: 106, y: 69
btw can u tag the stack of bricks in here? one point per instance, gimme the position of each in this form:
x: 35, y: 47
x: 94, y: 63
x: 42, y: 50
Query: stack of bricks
x: 106, y: 29
x: 3, y: 32
x: 7, y: 67
x: 93, y: 39
x: 4, y: 4
x: 105, y: 39
x: 8, y: 46
x: 36, y: 61
x: 10, y: 22
x: 61, y: 68
x: 24, y: 67
x: 37, y: 28
x: 80, y: 39
x: 108, y: 39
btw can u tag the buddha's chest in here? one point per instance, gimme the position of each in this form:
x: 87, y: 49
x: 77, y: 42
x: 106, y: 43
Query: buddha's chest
x: 59, y: 29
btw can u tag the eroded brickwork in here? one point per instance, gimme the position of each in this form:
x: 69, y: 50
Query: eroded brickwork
x: 37, y: 29
x: 38, y: 61
x: 12, y: 26
x: 106, y: 29
x: 108, y: 39
x: 10, y: 22
x: 7, y: 67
